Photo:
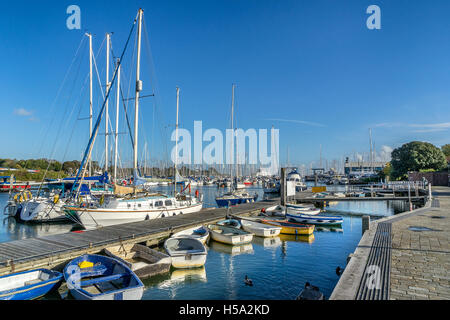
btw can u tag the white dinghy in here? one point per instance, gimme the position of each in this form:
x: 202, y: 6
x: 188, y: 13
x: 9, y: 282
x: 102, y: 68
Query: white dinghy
x: 229, y: 235
x: 186, y: 252
x: 260, y: 229
x: 199, y: 232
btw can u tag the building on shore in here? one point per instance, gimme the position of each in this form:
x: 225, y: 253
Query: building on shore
x: 361, y: 167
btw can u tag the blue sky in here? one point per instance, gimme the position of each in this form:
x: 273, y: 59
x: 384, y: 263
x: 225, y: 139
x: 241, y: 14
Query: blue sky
x: 310, y: 68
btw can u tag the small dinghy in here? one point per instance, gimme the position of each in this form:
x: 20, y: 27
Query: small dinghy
x: 310, y: 293
x: 142, y: 260
x: 288, y: 227
x: 95, y: 277
x: 29, y: 285
x: 186, y: 252
x: 317, y: 220
x: 230, y: 223
x: 229, y: 235
x: 260, y: 229
x: 199, y: 232
x: 274, y: 211
x: 308, y: 211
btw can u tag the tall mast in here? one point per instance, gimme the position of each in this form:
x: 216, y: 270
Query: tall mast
x: 176, y: 144
x: 371, y: 150
x: 116, y: 134
x: 138, y: 90
x: 232, y: 130
x: 108, y: 39
x: 90, y: 95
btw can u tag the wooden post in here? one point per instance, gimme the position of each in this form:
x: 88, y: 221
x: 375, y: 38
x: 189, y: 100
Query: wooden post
x: 365, y: 223
x: 283, y: 186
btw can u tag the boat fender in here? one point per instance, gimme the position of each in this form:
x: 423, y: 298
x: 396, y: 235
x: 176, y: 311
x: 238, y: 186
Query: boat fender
x: 197, y: 193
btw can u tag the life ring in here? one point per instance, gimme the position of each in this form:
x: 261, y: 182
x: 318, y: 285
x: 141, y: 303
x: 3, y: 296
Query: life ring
x: 23, y: 196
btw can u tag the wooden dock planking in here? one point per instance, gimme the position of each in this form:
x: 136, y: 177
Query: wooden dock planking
x: 52, y: 250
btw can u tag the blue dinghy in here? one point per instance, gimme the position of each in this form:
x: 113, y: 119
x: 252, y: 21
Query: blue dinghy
x: 95, y: 277
x: 316, y: 220
x: 29, y: 285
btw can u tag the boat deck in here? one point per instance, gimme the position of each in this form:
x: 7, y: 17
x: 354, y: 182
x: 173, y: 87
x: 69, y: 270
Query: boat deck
x: 53, y: 250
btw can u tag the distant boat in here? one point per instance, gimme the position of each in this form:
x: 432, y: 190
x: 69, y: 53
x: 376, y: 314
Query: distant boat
x: 200, y: 233
x: 29, y: 285
x: 260, y: 229
x: 186, y: 252
x: 317, y: 219
x: 95, y: 277
x: 272, y: 186
x: 288, y: 227
x: 295, y: 178
x: 143, y: 261
x: 230, y: 223
x: 229, y: 235
x: 235, y: 197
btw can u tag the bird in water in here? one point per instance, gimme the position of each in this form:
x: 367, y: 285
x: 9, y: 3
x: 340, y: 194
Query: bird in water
x: 339, y: 271
x: 248, y: 281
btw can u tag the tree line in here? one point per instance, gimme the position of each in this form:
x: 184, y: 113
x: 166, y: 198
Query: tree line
x: 417, y: 156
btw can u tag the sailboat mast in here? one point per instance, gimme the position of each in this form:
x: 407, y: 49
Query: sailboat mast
x: 232, y: 131
x: 371, y: 150
x: 108, y: 39
x: 90, y: 95
x: 176, y: 144
x: 116, y: 135
x: 138, y: 90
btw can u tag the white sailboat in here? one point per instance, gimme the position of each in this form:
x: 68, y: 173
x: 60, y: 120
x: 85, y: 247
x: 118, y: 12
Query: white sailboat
x: 132, y: 204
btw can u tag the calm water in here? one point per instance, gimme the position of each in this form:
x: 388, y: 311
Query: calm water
x: 279, y: 267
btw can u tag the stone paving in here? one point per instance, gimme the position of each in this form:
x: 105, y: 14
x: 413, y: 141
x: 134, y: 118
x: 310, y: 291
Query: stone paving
x: 420, y: 260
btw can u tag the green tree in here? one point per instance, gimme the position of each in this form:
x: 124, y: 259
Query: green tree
x: 446, y: 150
x: 416, y: 156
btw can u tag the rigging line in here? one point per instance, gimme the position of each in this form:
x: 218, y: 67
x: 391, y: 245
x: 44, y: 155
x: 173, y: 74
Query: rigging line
x: 59, y: 131
x: 88, y: 151
x: 53, y: 105
x: 157, y: 101
x: 79, y: 67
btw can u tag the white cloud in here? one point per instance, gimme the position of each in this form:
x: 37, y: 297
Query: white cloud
x: 22, y: 112
x: 385, y: 153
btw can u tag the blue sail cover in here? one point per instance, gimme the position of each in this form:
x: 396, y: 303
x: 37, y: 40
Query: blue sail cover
x: 138, y: 180
x: 101, y: 179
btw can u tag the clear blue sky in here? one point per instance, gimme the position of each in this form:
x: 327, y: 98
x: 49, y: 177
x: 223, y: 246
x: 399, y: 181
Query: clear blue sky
x: 312, y: 64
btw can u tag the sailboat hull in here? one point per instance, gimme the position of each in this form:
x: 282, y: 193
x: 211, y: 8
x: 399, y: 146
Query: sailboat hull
x: 94, y: 218
x: 234, y: 201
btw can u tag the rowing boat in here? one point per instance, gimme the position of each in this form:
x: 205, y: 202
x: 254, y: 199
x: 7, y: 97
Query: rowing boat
x: 229, y: 235
x: 260, y: 229
x: 288, y: 227
x: 186, y: 252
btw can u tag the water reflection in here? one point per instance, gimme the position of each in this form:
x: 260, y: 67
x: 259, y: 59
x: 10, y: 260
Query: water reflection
x: 272, y: 242
x: 297, y: 238
x: 188, y: 276
x: 231, y: 250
